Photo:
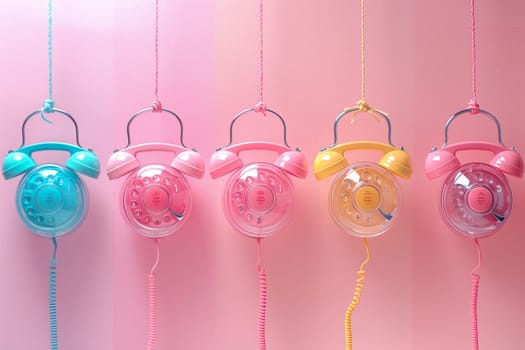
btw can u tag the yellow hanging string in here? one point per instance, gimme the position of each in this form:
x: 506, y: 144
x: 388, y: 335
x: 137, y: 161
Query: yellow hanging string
x: 361, y: 105
x: 355, y: 299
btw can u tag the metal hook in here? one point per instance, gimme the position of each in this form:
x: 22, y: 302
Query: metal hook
x: 150, y: 109
x: 355, y: 109
x: 251, y: 110
x: 464, y: 111
x: 52, y: 111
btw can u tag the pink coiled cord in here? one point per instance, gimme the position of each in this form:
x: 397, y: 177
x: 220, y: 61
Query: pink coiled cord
x: 474, y: 300
x: 152, y: 301
x: 263, y: 299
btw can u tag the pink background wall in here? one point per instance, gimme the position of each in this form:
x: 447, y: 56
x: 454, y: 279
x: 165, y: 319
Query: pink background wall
x: 417, y: 292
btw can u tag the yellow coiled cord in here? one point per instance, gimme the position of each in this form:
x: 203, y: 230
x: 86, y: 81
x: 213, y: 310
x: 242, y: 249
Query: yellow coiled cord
x: 355, y: 300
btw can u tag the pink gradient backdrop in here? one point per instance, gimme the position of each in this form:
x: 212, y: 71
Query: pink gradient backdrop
x: 417, y: 292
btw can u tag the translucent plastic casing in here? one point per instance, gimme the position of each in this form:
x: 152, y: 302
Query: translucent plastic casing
x: 258, y: 199
x: 476, y: 200
x: 156, y: 200
x: 51, y: 200
x: 364, y: 199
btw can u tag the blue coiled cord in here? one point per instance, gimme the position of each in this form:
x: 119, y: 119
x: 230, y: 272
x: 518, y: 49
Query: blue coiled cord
x: 53, y: 297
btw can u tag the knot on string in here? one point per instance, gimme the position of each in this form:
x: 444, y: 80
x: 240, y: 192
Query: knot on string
x: 473, y: 106
x: 47, y: 107
x: 156, y: 106
x: 362, y: 106
x: 260, y: 107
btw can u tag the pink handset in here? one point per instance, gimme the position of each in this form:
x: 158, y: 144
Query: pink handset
x: 258, y: 197
x: 156, y: 198
x: 476, y: 198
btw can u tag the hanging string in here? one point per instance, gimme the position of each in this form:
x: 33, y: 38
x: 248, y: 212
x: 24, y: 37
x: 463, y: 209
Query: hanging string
x: 355, y: 299
x: 49, y: 104
x: 152, y: 302
x: 473, y: 104
x: 260, y: 106
x: 53, y: 297
x: 361, y: 105
x: 363, y: 91
x: 474, y: 303
x: 156, y: 105
x: 263, y: 298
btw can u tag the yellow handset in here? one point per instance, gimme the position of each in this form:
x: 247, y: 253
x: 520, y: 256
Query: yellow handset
x: 332, y: 160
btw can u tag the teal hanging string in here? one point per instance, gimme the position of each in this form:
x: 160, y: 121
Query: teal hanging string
x: 49, y: 104
x: 53, y: 297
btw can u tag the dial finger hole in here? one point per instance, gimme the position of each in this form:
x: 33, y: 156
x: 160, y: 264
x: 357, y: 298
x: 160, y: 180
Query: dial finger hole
x: 37, y: 180
x: 348, y: 184
x: 240, y: 186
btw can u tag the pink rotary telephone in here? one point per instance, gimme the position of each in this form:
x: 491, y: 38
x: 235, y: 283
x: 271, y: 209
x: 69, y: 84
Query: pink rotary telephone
x: 476, y: 198
x: 156, y: 198
x: 259, y: 196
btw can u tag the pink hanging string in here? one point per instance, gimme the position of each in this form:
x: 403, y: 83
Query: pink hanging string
x: 473, y: 104
x: 263, y: 298
x: 474, y: 300
x: 152, y: 301
x: 156, y: 105
x: 260, y: 106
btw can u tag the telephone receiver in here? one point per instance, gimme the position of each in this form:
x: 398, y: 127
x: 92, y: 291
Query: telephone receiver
x: 125, y: 161
x: 364, y: 186
x: 156, y: 198
x: 482, y: 183
x: 51, y: 198
x: 258, y: 196
x: 332, y: 160
x: 227, y: 160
